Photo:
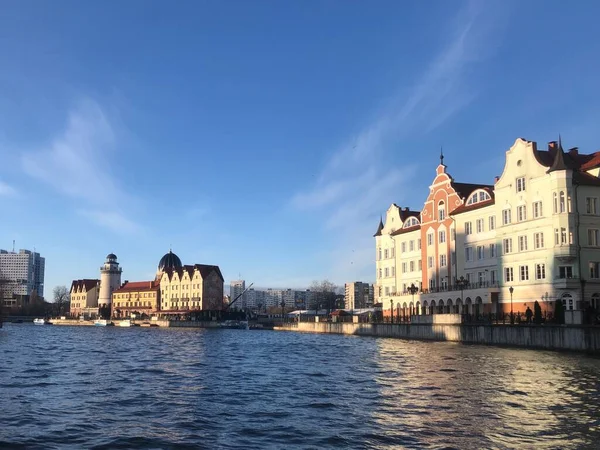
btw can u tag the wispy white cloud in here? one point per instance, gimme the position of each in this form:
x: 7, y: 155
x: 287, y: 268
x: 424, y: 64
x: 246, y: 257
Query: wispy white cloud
x: 6, y: 190
x: 111, y: 220
x: 357, y: 180
x: 77, y: 163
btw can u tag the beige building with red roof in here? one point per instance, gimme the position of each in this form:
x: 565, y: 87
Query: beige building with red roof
x: 536, y: 231
x: 137, y: 297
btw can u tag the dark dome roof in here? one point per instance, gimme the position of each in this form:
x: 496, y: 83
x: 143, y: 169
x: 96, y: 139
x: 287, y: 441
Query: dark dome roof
x: 169, y: 261
x: 111, y: 256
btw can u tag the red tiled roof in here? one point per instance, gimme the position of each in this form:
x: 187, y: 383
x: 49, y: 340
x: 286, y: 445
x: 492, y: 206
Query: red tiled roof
x: 466, y: 208
x: 406, y: 230
x: 138, y: 286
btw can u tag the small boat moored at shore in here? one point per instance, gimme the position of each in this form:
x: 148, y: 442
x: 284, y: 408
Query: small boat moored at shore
x: 125, y: 323
x: 100, y: 323
x: 235, y: 324
x: 41, y: 322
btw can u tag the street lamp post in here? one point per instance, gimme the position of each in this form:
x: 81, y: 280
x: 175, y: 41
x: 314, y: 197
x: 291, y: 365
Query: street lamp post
x: 413, y: 290
x: 282, y: 304
x: 461, y: 284
x: 391, y: 310
x: 545, y: 301
x: 512, y: 317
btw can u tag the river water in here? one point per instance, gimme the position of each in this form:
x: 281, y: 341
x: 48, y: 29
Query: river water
x: 105, y: 388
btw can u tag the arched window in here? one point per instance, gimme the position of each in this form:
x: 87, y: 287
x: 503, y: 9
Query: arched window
x: 563, y: 207
x: 441, y: 210
x: 410, y: 222
x: 478, y: 196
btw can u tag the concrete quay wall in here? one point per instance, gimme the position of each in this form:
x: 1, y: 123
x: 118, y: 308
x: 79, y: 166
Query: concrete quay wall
x: 549, y: 337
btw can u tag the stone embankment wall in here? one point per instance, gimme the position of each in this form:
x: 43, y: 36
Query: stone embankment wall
x: 550, y: 337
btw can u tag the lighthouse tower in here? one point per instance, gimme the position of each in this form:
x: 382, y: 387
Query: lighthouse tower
x: 110, y: 279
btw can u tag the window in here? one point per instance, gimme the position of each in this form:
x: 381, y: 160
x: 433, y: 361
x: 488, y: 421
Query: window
x: 380, y: 273
x: 430, y: 261
x: 430, y: 239
x: 522, y: 243
x: 492, y: 223
x: 412, y: 266
x: 508, y: 274
x: 403, y: 267
x: 565, y: 271
x: 555, y: 197
x: 562, y: 204
x: 443, y: 260
x: 537, y: 210
x: 419, y: 265
x: 540, y: 271
x: 591, y: 205
x: 468, y: 228
x: 593, y: 237
x: 520, y: 184
x: 563, y: 236
x: 386, y: 272
x: 493, y: 277
x: 524, y: 273
x: 453, y: 233
x: 419, y: 244
x: 386, y: 254
x: 478, y: 196
x: 521, y: 213
x: 507, y: 245
x: 492, y: 250
x: 411, y: 246
x: 393, y: 251
x: 453, y: 257
x: 506, y: 217
x: 538, y: 240
x: 403, y: 247
x: 442, y: 237
x: 480, y: 225
x: 480, y: 252
x: 594, y: 266
x: 469, y: 253
x: 441, y: 211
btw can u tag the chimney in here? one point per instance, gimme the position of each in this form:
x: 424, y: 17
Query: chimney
x: 552, y: 145
x: 574, y: 151
x: 150, y: 284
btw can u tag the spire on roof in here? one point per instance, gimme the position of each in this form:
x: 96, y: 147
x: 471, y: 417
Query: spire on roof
x: 380, y: 227
x: 559, y: 162
x: 441, y: 155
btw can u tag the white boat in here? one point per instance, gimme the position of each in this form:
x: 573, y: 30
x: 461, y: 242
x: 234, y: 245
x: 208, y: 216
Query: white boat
x: 125, y: 323
x: 100, y: 322
x: 39, y: 322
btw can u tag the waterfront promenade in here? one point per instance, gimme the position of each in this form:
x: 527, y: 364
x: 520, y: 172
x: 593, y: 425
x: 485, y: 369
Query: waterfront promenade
x: 547, y: 337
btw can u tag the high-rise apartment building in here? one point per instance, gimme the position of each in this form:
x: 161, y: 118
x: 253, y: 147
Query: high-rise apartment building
x: 20, y: 274
x: 358, y: 295
x: 532, y: 235
x: 236, y: 288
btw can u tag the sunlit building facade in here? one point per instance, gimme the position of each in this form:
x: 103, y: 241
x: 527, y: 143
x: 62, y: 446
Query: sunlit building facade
x: 535, y: 229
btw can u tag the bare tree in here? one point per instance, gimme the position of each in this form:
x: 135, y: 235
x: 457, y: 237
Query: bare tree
x: 61, y: 298
x: 323, y: 295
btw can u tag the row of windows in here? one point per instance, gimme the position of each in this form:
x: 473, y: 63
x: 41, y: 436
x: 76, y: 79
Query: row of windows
x: 129, y: 304
x: 185, y: 286
x: 480, y: 225
x: 135, y: 295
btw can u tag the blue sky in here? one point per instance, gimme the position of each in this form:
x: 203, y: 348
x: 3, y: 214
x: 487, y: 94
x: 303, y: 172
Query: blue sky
x: 264, y: 136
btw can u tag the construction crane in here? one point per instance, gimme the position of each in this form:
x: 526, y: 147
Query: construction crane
x: 236, y: 299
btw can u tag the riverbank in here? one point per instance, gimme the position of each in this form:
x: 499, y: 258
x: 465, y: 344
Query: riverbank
x: 547, y: 337
x: 153, y: 323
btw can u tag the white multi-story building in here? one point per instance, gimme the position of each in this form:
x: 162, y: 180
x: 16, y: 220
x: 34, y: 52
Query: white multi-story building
x: 358, y: 295
x: 535, y: 232
x: 20, y: 274
x: 237, y: 288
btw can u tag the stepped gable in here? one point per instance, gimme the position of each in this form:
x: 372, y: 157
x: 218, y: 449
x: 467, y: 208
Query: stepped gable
x: 84, y: 285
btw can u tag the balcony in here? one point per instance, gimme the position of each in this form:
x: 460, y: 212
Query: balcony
x: 452, y: 288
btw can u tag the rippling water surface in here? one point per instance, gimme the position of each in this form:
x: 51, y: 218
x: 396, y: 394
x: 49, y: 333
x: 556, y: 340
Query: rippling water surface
x: 86, y: 387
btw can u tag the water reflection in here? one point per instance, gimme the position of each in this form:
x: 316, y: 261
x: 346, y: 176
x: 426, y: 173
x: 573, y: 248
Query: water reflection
x: 155, y: 388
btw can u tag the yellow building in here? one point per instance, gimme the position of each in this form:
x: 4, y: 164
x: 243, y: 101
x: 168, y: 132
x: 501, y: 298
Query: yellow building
x: 139, y: 297
x: 84, y: 297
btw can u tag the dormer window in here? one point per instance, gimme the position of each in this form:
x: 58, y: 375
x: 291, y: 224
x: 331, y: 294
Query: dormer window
x: 520, y: 184
x: 478, y: 196
x: 411, y: 222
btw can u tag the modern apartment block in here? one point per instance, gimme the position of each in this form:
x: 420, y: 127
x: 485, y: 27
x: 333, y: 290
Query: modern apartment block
x: 358, y: 295
x: 532, y: 234
x: 20, y: 274
x: 236, y: 288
